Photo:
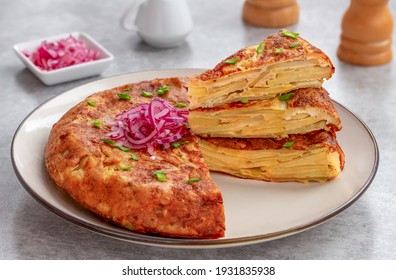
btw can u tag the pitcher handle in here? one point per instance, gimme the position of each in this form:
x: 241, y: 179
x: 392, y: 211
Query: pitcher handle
x: 129, y: 17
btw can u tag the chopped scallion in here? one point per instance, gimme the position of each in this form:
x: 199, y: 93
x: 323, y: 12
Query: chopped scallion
x: 146, y: 94
x: 127, y: 89
x: 113, y: 143
x: 108, y: 141
x: 175, y: 144
x: 193, y: 180
x: 232, y: 60
x: 124, y: 168
x: 295, y: 44
x: 122, y: 148
x: 96, y: 123
x: 279, y: 50
x: 160, y: 175
x: 289, y: 34
x: 180, y: 105
x: 286, y: 96
x: 178, y: 144
x: 123, y: 96
x: 259, y: 49
x: 162, y: 90
x: 244, y: 101
x: 134, y: 157
x: 288, y: 144
x: 91, y: 103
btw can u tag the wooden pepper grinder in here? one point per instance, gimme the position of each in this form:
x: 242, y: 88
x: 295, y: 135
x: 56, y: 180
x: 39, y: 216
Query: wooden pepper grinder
x: 366, y: 37
x: 271, y: 13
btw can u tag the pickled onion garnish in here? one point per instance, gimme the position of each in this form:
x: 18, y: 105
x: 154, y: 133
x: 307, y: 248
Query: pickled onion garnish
x: 149, y: 126
x: 62, y: 53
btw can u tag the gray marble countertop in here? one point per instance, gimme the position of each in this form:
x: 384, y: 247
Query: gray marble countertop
x: 366, y: 230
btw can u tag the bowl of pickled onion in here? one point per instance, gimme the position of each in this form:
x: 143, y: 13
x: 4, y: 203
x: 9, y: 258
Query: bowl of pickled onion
x: 64, y: 57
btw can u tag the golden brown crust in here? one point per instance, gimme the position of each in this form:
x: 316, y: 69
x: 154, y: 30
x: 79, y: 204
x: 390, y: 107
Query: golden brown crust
x: 92, y: 172
x: 311, y: 97
x: 249, y: 59
x: 315, y: 98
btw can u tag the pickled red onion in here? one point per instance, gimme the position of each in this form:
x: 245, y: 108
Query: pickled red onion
x: 62, y: 53
x: 149, y: 126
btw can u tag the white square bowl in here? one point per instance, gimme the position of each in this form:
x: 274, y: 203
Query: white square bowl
x: 68, y: 73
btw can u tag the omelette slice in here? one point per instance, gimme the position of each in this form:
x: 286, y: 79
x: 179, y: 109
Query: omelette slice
x: 312, y: 157
x: 282, y: 63
x: 168, y: 192
x: 297, y: 112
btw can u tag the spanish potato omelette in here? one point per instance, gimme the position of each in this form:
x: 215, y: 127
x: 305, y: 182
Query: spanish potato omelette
x: 281, y: 63
x: 122, y: 185
x: 94, y: 173
x: 125, y: 191
x: 307, y: 110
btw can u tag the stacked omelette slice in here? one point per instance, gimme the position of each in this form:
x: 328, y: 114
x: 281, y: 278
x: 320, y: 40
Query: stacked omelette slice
x: 262, y: 113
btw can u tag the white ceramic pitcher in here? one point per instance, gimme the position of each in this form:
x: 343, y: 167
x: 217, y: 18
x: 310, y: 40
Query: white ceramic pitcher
x: 160, y: 23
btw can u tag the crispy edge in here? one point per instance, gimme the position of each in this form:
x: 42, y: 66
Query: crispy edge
x: 249, y: 59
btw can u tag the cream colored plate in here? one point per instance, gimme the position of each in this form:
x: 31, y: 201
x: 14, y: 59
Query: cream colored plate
x: 255, y: 211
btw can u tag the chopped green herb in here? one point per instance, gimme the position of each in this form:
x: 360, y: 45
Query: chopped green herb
x: 244, y: 101
x: 186, y: 124
x: 289, y: 34
x: 134, y: 157
x: 127, y: 167
x: 163, y: 90
x: 286, y: 96
x: 278, y: 50
x: 232, y: 60
x: 180, y: 105
x: 128, y: 225
x: 122, y: 148
x: 288, y: 144
x: 295, y: 44
x: 160, y: 174
x: 193, y: 180
x: 127, y: 89
x: 96, y: 123
x: 91, y: 103
x: 113, y: 143
x: 123, y: 96
x: 108, y: 141
x: 147, y: 94
x: 259, y: 49
x: 175, y: 144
